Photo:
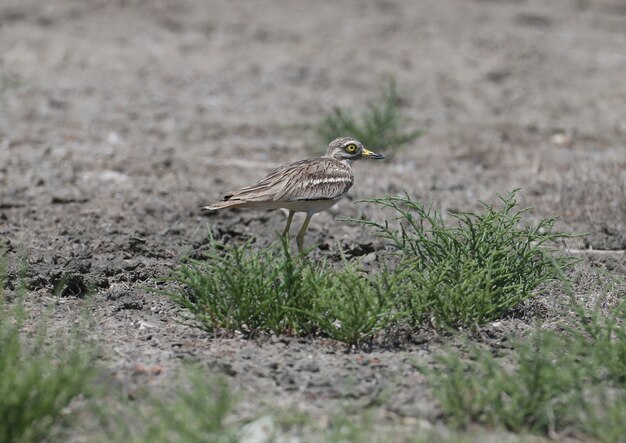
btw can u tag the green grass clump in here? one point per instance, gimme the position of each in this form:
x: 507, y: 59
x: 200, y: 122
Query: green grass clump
x: 450, y: 275
x: 379, y: 126
x: 604, y: 340
x: 37, y: 381
x: 198, y: 414
x: 551, y: 383
x: 197, y: 410
x: 240, y: 288
x: 604, y: 417
x: 472, y: 270
x: 532, y: 397
x: 35, y: 388
x: 353, y: 308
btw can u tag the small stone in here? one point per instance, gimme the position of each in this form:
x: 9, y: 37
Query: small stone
x: 561, y: 139
x: 113, y: 138
x: 369, y: 258
x: 311, y: 366
x: 260, y: 430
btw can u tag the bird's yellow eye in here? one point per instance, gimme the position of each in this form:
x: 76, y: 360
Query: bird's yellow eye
x: 351, y: 148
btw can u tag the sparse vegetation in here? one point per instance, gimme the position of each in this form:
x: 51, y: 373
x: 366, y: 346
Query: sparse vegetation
x: 38, y: 381
x: 379, y: 126
x: 449, y: 276
x: 483, y: 390
x: 472, y: 270
x: 119, y: 119
x: 568, y: 381
x: 553, y: 382
x: 352, y: 308
x: 194, y: 411
x: 238, y: 288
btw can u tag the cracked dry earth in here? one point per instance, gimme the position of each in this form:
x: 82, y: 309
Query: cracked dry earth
x: 119, y: 119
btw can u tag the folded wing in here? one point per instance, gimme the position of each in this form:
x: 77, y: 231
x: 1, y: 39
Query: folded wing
x: 316, y: 179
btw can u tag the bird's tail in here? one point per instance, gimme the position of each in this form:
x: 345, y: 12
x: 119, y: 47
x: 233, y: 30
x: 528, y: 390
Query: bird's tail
x: 224, y: 204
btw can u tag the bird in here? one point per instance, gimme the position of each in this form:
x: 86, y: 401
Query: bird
x: 310, y: 186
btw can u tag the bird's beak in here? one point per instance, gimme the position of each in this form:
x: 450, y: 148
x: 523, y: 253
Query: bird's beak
x: 366, y: 153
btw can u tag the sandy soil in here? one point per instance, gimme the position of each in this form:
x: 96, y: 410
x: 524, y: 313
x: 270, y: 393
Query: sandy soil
x: 119, y: 119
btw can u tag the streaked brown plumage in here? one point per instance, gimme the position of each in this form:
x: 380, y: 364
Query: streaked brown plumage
x: 309, y: 186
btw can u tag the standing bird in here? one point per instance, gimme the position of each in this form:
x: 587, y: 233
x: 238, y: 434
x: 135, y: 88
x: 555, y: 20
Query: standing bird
x: 310, y: 186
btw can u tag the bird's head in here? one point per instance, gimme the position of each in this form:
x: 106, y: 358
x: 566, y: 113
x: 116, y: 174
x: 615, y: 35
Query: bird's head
x: 348, y: 148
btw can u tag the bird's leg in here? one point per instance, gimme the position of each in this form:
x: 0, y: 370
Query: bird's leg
x: 289, y: 218
x: 300, y: 237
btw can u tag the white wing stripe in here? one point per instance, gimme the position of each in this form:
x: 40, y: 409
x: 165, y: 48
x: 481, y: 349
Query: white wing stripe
x: 319, y: 181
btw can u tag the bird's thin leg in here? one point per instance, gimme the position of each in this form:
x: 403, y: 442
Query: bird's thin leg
x: 289, y: 218
x: 300, y: 237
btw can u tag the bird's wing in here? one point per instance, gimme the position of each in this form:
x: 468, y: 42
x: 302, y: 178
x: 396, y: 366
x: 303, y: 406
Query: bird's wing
x: 314, y: 179
x: 318, y: 179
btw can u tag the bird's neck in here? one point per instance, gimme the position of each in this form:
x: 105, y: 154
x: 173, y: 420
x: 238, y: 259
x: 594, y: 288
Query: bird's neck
x: 344, y: 161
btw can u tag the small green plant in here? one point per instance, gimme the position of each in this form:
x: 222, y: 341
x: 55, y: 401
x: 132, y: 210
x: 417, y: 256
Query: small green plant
x: 473, y: 270
x: 353, y: 308
x: 532, y: 397
x: 379, y: 126
x: 552, y: 382
x: 37, y: 381
x: 238, y: 288
x: 604, y: 417
x: 194, y: 406
x: 196, y: 413
x: 36, y: 388
x: 604, y: 340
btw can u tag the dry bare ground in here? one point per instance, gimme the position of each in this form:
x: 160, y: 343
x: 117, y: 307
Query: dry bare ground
x: 119, y: 119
